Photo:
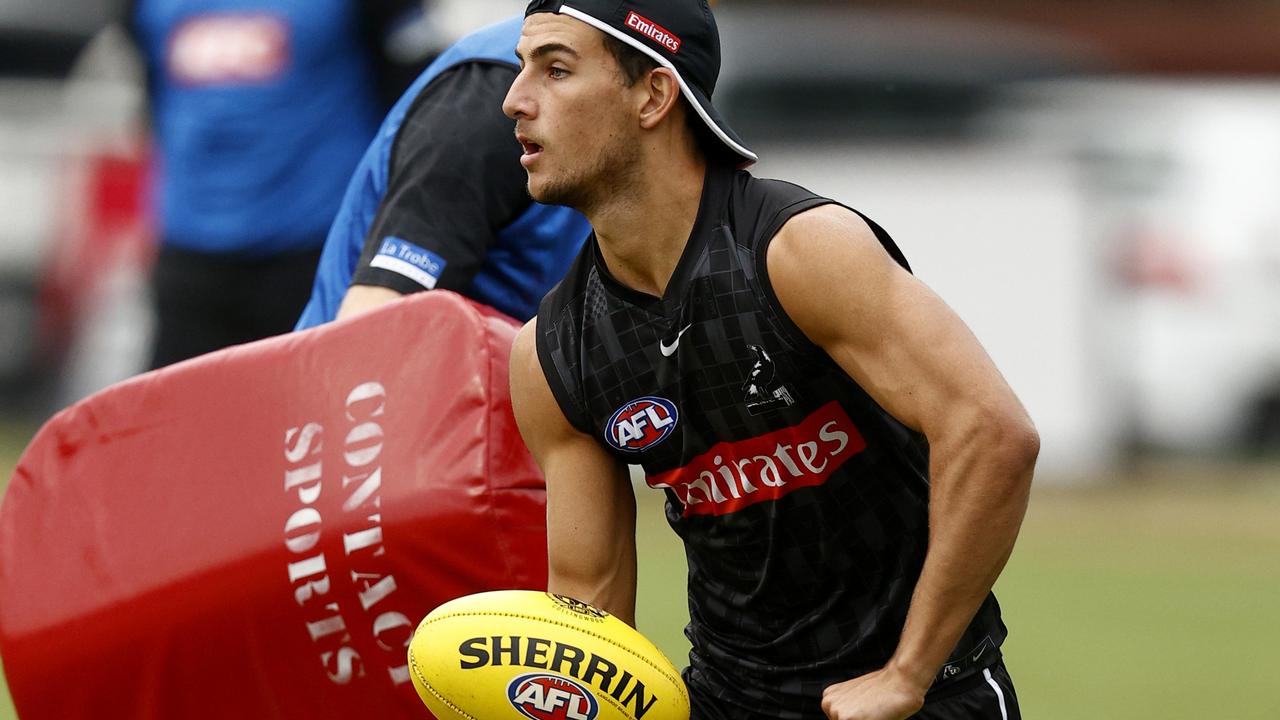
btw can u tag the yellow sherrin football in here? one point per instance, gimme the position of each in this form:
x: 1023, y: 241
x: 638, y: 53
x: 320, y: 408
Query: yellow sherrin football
x: 526, y: 655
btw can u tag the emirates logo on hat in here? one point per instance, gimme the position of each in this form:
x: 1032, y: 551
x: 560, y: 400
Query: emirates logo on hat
x: 653, y: 31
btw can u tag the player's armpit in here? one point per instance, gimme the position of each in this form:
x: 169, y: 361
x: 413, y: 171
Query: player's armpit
x: 591, y: 512
x: 363, y: 298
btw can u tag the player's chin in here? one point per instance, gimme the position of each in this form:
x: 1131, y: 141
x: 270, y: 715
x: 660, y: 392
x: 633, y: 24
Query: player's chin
x: 544, y: 190
x: 536, y: 189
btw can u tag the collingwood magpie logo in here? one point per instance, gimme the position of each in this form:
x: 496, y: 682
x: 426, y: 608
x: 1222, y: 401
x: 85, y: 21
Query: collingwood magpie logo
x: 763, y: 393
x: 577, y: 606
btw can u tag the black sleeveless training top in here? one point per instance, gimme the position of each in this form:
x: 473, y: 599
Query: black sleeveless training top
x: 802, y: 504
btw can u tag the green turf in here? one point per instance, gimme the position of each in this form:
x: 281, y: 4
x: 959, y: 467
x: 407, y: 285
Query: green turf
x: 1160, y: 603
x: 1157, y: 601
x: 12, y: 440
x: 6, y: 705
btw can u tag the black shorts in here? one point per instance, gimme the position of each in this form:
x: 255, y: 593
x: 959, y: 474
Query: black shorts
x: 205, y: 302
x: 985, y: 695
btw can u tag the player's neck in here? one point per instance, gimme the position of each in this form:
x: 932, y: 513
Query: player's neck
x: 643, y: 232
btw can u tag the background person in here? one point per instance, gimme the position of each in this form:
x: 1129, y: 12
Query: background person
x: 439, y: 199
x: 260, y: 109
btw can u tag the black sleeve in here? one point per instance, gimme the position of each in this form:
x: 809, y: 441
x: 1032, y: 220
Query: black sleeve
x: 455, y: 180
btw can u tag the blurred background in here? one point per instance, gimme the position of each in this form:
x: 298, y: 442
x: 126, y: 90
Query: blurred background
x: 1092, y: 186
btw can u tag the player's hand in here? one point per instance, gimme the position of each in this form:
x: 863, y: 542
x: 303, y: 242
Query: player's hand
x: 880, y: 695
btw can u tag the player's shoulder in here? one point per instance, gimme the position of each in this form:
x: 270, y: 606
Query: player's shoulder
x: 524, y: 368
x: 758, y: 208
x: 542, y: 413
x: 496, y: 42
x: 747, y: 188
x: 806, y: 240
x: 828, y: 221
x: 525, y: 346
x: 528, y: 386
x: 480, y: 67
x: 470, y: 84
x: 454, y: 120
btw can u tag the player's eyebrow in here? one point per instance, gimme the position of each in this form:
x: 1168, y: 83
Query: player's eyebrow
x: 547, y: 49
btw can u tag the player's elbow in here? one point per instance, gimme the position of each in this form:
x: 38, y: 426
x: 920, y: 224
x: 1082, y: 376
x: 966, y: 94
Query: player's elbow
x: 996, y: 436
x: 1027, y: 444
x: 1010, y: 439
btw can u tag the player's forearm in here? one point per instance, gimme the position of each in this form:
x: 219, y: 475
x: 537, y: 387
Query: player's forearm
x: 981, y: 480
x: 591, y: 532
x: 363, y: 298
x: 611, y: 586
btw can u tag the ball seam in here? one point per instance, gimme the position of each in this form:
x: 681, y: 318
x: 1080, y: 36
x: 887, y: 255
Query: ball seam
x: 413, y: 661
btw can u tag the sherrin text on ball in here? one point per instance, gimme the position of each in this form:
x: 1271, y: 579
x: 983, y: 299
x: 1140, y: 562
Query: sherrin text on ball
x: 528, y: 655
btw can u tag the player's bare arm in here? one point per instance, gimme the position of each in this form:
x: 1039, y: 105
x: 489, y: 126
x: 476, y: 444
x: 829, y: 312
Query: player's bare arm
x: 363, y: 298
x: 916, y: 358
x: 591, y: 510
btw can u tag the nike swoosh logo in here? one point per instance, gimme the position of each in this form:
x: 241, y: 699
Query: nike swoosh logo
x: 979, y: 653
x: 669, y: 350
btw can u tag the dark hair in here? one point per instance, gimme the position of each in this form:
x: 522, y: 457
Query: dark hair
x: 634, y: 64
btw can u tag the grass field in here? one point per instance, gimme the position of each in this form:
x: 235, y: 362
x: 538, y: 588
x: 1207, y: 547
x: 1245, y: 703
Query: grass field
x: 12, y: 440
x: 1155, y: 597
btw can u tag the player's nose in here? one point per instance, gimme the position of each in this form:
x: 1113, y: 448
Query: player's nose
x: 518, y: 104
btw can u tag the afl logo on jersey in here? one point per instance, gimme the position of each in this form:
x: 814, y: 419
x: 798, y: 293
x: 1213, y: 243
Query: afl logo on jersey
x: 229, y: 49
x: 641, y: 424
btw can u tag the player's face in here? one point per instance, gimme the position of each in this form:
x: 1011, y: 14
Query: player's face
x: 573, y: 113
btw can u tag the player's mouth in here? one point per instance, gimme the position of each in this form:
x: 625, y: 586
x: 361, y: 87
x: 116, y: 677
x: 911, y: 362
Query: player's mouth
x: 531, y: 150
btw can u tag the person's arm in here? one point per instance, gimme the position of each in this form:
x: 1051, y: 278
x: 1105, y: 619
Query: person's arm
x: 363, y: 298
x: 920, y: 362
x: 454, y: 180
x: 591, y: 508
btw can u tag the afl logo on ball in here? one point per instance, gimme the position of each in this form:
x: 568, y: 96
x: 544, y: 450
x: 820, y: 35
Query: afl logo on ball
x: 641, y: 424
x: 541, y: 696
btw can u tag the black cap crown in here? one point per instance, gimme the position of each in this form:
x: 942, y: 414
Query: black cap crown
x: 680, y: 35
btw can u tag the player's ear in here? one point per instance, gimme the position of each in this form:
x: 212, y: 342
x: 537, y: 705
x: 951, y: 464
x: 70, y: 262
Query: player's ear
x: 662, y: 92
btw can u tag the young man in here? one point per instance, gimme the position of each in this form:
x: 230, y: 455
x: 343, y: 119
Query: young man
x: 845, y: 465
